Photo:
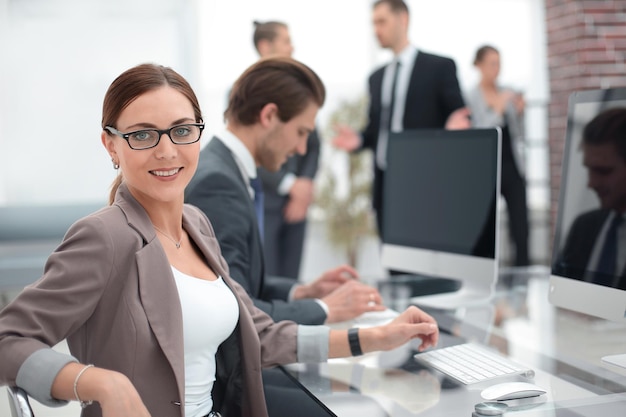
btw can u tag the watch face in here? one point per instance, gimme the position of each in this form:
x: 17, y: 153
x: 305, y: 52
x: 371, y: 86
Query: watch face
x: 490, y: 409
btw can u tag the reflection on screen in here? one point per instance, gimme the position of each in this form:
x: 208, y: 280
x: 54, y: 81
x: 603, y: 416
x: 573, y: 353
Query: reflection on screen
x: 590, y: 238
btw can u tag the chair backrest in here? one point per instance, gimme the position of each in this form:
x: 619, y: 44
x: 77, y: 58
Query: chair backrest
x: 18, y: 402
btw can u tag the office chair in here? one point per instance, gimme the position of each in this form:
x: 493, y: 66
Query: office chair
x: 18, y: 402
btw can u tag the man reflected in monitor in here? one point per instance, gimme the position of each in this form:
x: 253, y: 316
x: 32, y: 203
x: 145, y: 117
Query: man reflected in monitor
x: 595, y: 249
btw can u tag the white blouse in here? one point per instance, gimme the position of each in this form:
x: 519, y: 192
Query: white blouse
x: 210, y: 314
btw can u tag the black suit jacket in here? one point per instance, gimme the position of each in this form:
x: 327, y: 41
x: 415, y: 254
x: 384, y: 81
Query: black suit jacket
x: 433, y: 94
x: 220, y: 191
x: 581, y: 239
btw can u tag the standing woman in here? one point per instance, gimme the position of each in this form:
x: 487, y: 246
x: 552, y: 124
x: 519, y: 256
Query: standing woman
x: 139, y: 289
x: 493, y: 105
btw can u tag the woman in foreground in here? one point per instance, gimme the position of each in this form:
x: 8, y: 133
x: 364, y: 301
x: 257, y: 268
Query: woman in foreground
x: 140, y: 291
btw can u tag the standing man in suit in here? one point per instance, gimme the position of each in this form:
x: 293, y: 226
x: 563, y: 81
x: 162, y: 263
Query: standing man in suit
x: 270, y: 115
x: 288, y: 191
x: 416, y: 90
x: 595, y: 248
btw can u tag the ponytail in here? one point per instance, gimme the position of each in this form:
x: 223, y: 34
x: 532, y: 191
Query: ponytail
x: 116, y: 184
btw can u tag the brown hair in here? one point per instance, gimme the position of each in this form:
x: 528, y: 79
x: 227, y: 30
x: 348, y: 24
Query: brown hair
x: 133, y: 83
x: 283, y: 81
x: 266, y: 31
x: 396, y: 6
x: 608, y: 126
x: 482, y: 51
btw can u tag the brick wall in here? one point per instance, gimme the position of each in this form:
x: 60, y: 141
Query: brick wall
x: 586, y: 50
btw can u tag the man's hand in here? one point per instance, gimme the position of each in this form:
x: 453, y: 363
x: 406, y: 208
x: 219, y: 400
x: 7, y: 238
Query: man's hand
x: 327, y: 283
x: 346, y: 138
x: 300, y: 197
x: 295, y: 211
x: 459, y: 119
x: 302, y: 190
x: 351, y: 300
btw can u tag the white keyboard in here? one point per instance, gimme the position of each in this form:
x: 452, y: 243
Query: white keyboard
x: 470, y: 363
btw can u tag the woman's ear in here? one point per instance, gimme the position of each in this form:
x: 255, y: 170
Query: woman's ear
x: 108, y: 144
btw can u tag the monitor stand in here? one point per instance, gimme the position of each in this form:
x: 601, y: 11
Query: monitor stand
x: 617, y: 360
x: 421, y: 285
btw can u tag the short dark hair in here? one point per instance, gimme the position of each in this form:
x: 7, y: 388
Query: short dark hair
x: 396, y: 6
x: 266, y: 31
x: 608, y: 126
x: 482, y: 51
x: 288, y: 83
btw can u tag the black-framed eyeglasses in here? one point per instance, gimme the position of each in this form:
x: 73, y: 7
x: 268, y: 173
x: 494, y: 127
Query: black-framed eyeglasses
x: 185, y: 134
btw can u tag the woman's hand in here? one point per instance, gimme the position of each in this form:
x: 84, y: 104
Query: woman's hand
x: 119, y: 398
x: 412, y: 323
x: 519, y: 103
x: 114, y: 392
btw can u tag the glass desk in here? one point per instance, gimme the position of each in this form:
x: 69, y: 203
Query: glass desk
x: 564, y: 349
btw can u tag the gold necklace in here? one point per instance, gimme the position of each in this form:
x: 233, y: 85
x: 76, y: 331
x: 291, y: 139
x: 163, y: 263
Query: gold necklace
x: 169, y: 237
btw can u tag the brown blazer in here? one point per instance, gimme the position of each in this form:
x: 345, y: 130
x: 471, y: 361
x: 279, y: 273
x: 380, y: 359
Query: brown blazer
x: 109, y: 290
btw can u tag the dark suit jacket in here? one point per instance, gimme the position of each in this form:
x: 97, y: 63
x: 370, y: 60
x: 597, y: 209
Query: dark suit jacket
x: 581, y: 239
x: 219, y: 190
x: 300, y: 165
x: 110, y: 291
x: 433, y: 94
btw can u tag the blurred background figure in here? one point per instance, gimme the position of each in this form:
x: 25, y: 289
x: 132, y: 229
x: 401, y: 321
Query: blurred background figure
x: 415, y: 90
x: 494, y: 105
x: 288, y: 192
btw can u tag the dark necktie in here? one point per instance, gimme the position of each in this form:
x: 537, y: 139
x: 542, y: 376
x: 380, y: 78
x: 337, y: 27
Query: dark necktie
x: 257, y: 186
x: 386, y: 115
x: 607, y: 264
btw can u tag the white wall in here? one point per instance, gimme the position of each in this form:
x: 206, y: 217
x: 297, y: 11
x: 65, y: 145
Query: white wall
x: 332, y: 37
x: 58, y: 59
x: 59, y: 56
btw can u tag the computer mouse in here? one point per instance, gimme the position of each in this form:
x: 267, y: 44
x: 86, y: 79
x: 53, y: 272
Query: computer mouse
x: 511, y: 391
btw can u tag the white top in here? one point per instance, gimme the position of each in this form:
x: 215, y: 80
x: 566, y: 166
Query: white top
x: 210, y: 314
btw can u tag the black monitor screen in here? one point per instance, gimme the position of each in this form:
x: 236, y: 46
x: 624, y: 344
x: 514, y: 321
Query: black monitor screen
x: 590, y: 243
x: 441, y: 189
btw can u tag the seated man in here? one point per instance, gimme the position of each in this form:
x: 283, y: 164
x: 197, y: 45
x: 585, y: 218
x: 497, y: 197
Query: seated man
x: 288, y: 191
x: 271, y: 112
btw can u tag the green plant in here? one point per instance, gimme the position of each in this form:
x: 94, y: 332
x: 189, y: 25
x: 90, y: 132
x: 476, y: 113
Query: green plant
x: 345, y: 195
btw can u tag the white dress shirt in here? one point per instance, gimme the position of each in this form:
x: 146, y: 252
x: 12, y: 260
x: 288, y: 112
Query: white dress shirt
x: 597, y: 249
x: 406, y: 59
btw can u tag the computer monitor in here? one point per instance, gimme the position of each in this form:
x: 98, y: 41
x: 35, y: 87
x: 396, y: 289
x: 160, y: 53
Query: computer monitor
x: 584, y: 277
x: 440, y: 216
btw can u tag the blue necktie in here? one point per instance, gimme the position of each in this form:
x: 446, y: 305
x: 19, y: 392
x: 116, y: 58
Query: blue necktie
x: 257, y: 186
x: 607, y: 264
